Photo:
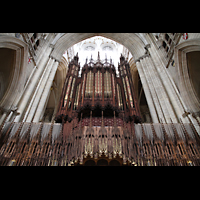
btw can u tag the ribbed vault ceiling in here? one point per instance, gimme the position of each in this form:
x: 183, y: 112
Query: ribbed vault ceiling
x: 134, y: 42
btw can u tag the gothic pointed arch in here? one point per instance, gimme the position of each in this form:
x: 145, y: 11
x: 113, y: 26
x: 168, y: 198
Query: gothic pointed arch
x: 17, y: 51
x: 135, y: 42
x: 186, y: 81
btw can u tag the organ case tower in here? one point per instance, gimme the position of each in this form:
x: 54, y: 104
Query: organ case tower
x: 98, y: 105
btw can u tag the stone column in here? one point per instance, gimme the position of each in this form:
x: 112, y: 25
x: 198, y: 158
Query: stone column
x: 38, y: 92
x: 156, y: 100
x: 160, y: 91
x: 167, y: 81
x: 4, y: 115
x: 45, y: 94
x: 147, y: 93
x: 27, y: 94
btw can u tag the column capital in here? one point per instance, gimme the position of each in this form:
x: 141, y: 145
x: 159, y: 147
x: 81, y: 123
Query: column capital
x: 145, y: 55
x: 147, y: 46
x: 141, y: 57
x: 138, y: 60
x: 55, y: 60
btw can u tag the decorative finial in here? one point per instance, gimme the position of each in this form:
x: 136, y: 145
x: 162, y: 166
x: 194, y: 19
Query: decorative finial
x: 76, y: 57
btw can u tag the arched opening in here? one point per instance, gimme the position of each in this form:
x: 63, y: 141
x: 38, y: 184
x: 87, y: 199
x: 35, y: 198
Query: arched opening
x: 89, y: 163
x: 164, y: 44
x: 114, y: 163
x: 134, y: 42
x: 86, y: 112
x: 13, y: 57
x: 186, y: 57
x: 167, y: 37
x: 108, y: 115
x: 96, y: 112
x: 7, y: 57
x: 193, y: 60
x: 102, y: 162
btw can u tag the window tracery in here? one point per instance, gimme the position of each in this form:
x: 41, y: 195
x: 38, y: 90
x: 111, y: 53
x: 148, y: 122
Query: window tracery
x: 89, y: 48
x: 107, y: 48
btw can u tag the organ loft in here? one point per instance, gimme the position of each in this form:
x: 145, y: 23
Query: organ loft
x: 99, y: 115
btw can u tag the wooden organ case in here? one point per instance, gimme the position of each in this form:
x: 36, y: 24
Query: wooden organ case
x: 97, y: 89
x: 97, y: 98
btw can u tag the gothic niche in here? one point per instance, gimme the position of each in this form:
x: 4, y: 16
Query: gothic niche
x: 193, y: 60
x: 7, y: 69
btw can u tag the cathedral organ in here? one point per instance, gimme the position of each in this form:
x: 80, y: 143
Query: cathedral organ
x: 98, y: 123
x: 98, y: 87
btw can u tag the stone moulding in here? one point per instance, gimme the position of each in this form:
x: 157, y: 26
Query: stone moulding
x: 186, y: 88
x: 19, y: 65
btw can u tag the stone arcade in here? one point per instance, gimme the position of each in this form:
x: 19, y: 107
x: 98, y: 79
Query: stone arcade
x: 143, y: 112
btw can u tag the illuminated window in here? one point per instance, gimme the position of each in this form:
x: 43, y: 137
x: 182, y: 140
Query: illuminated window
x: 89, y: 48
x: 107, y: 48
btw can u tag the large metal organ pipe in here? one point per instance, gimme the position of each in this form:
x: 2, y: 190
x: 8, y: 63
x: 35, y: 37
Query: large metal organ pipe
x: 98, y: 84
x: 107, y: 85
x: 89, y: 85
